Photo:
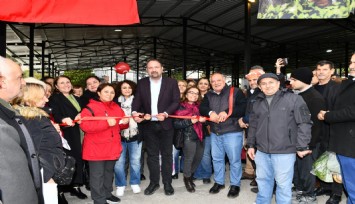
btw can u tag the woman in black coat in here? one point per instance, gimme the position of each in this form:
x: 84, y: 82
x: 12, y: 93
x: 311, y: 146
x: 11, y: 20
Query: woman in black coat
x: 45, y: 136
x: 92, y: 83
x: 65, y: 109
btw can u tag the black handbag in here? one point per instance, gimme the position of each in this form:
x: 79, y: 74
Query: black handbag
x: 178, y: 139
x: 64, y: 169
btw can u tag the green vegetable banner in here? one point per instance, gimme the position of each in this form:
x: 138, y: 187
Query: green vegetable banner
x: 305, y: 9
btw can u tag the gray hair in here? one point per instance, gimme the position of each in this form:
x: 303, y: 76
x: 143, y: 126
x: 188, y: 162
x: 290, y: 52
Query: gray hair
x: 257, y: 67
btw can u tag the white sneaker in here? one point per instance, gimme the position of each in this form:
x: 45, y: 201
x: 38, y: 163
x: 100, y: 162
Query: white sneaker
x: 136, y: 188
x: 120, y: 190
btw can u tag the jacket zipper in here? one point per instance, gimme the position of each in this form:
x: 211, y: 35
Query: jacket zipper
x: 268, y: 124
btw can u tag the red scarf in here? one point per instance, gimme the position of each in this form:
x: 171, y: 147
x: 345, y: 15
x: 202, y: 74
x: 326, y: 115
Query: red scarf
x: 191, y: 110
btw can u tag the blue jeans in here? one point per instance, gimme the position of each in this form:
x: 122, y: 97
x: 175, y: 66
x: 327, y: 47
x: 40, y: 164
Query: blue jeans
x: 271, y: 167
x: 347, y: 166
x: 230, y: 144
x: 178, y: 163
x: 134, y: 153
x: 204, y: 170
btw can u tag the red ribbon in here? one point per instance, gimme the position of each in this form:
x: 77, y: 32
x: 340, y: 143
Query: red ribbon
x: 119, y: 118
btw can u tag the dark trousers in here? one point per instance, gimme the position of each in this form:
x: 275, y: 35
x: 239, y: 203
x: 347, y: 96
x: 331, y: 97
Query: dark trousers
x: 336, y: 188
x: 159, y: 140
x: 303, y: 179
x: 101, y: 178
x: 193, y: 152
x: 142, y: 157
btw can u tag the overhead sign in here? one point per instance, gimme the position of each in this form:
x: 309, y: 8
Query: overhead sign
x: 97, y: 12
x: 305, y: 9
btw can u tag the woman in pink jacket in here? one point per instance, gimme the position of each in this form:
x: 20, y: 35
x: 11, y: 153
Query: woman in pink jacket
x: 102, y: 142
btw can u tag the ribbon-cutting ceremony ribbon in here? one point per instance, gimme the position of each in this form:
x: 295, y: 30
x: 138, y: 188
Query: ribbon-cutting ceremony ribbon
x: 119, y: 118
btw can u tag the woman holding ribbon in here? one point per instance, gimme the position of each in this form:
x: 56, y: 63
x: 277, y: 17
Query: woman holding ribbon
x: 66, y: 111
x: 192, y: 132
x: 131, y: 141
x: 102, y: 141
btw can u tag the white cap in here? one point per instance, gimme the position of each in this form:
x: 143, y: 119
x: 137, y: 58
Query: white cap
x: 32, y: 80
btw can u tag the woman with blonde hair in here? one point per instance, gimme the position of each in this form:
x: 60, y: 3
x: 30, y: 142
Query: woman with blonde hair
x: 45, y: 136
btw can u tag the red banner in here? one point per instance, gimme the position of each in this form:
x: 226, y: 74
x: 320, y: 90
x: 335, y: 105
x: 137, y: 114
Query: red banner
x: 98, y: 12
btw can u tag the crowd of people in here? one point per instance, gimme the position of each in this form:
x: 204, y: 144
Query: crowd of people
x: 284, y: 127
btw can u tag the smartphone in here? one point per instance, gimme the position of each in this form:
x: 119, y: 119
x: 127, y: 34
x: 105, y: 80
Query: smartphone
x: 285, y: 61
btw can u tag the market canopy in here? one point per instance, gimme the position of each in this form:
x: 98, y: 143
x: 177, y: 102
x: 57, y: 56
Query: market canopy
x: 97, y: 12
x: 215, y: 38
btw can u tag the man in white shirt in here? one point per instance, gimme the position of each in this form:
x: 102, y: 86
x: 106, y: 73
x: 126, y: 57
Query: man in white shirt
x: 156, y: 98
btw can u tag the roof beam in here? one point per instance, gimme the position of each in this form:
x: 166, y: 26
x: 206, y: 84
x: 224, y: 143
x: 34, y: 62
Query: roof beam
x: 20, y: 35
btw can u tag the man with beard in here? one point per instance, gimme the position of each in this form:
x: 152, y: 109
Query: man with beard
x: 156, y: 97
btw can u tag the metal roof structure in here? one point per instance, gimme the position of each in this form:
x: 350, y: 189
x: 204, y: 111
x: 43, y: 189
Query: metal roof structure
x: 214, y: 32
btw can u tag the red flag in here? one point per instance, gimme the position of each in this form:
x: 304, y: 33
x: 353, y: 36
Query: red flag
x: 99, y: 12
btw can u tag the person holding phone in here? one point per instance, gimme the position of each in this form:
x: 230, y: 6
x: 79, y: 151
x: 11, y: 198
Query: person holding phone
x: 281, y: 63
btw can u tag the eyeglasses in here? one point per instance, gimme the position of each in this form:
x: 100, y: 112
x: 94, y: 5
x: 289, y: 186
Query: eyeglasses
x: 191, y: 92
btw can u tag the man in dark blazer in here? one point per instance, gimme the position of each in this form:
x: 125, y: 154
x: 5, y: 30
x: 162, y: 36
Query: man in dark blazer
x: 17, y: 185
x: 342, y: 130
x: 156, y: 98
x: 328, y: 88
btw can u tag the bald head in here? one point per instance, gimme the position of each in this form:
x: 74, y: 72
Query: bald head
x: 218, y: 82
x: 11, y: 81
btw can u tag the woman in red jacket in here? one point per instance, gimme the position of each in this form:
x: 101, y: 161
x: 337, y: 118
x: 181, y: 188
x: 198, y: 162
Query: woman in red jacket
x: 102, y: 142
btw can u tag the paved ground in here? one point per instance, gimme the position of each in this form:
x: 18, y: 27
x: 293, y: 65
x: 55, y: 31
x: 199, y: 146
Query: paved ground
x: 181, y: 196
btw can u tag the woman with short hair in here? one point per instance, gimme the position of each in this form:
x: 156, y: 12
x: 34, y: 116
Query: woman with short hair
x: 102, y: 142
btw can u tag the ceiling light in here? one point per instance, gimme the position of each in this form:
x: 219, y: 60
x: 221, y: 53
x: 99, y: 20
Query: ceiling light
x: 251, y: 1
x: 329, y: 50
x: 118, y: 30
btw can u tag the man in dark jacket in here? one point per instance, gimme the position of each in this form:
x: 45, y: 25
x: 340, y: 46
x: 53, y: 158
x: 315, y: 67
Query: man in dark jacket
x: 304, y: 181
x: 328, y: 89
x: 19, y: 170
x: 342, y: 130
x: 279, y: 126
x: 226, y: 134
x: 252, y: 92
x: 156, y: 97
